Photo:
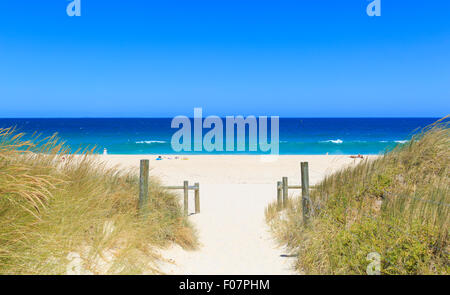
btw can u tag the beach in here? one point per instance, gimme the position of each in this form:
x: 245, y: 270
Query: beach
x: 234, y: 192
x: 224, y: 138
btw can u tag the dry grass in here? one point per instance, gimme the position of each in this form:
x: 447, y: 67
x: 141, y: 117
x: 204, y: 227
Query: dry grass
x: 396, y: 205
x: 63, y: 212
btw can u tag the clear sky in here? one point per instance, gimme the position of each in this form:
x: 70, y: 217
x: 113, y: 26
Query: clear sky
x: 299, y: 58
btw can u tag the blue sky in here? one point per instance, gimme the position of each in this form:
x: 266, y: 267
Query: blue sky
x: 312, y: 58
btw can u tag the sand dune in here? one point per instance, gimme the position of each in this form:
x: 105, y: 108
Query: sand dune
x: 234, y: 191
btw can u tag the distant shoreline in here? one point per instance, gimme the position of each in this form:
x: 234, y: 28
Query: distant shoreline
x: 215, y: 169
x: 239, y: 155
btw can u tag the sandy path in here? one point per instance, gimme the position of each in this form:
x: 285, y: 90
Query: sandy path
x: 234, y: 191
x: 233, y: 235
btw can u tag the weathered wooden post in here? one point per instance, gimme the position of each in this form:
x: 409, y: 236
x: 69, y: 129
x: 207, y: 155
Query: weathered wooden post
x: 186, y: 197
x: 305, y: 191
x: 279, y: 200
x: 285, y: 191
x: 143, y: 188
x: 197, y: 198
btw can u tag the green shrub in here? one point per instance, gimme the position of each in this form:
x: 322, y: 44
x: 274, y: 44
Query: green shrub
x: 396, y: 205
x: 62, y: 210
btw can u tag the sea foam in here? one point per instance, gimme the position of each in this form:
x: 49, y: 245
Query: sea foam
x: 150, y: 141
x: 338, y: 141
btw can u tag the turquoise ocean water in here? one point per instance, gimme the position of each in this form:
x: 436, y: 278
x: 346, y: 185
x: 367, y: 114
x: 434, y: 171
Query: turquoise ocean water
x: 297, y: 135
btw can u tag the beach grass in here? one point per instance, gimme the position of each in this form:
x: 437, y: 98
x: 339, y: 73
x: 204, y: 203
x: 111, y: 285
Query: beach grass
x: 67, y: 212
x: 396, y: 205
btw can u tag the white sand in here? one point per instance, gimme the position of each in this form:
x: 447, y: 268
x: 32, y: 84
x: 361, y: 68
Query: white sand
x: 234, y: 191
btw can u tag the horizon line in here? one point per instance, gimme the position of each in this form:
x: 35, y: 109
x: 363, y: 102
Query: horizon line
x: 281, y: 117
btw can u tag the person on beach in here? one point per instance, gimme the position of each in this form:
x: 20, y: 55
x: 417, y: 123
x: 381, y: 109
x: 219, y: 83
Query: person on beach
x: 357, y: 157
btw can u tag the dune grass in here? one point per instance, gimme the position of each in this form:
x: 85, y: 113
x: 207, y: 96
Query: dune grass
x: 63, y: 212
x: 396, y: 205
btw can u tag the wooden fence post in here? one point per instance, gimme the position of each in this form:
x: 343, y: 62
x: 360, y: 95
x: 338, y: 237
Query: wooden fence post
x: 197, y: 198
x: 143, y: 188
x: 279, y: 200
x: 186, y: 197
x: 305, y: 191
x: 285, y: 191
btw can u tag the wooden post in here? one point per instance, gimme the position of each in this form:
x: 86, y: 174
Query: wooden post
x: 279, y: 200
x: 285, y: 191
x: 197, y: 198
x: 143, y: 188
x: 305, y: 191
x: 186, y: 197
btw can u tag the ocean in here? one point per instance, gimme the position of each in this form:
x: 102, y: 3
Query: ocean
x: 297, y: 135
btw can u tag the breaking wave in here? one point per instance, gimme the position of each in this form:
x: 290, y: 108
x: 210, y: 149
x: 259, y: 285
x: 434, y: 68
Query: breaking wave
x: 338, y: 141
x: 150, y: 141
